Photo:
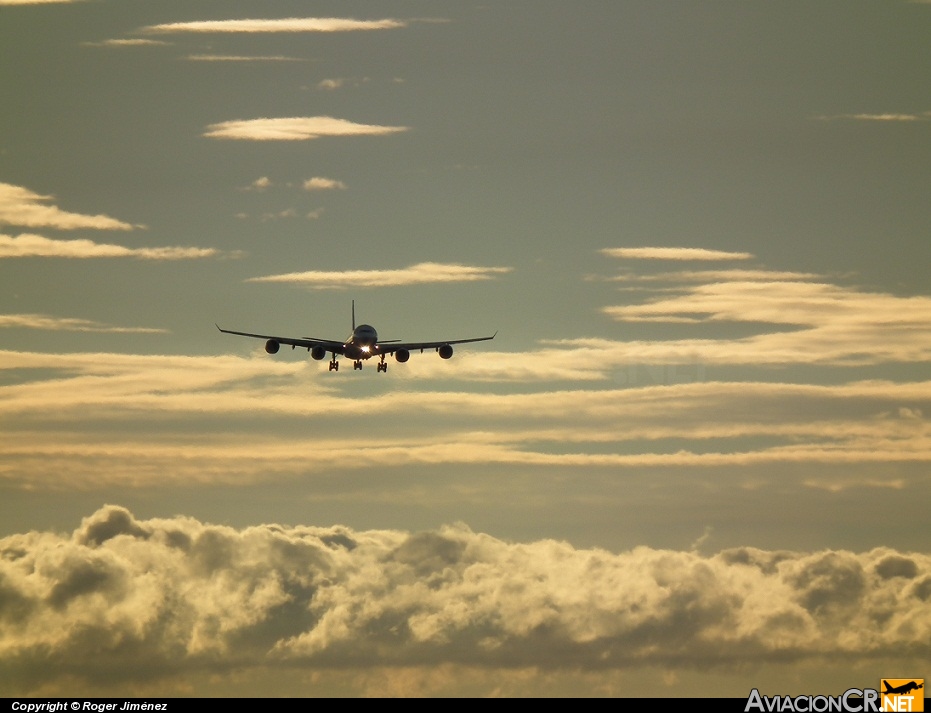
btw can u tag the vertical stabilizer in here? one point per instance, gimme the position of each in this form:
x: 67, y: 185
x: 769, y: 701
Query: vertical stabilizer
x: 353, y: 315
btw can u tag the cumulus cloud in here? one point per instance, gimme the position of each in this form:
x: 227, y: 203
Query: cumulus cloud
x: 421, y: 273
x: 260, y: 184
x: 288, y: 24
x: 67, y: 324
x: 128, y: 598
x: 294, y: 129
x: 27, y: 245
x: 658, y: 253
x: 20, y: 206
x: 319, y: 183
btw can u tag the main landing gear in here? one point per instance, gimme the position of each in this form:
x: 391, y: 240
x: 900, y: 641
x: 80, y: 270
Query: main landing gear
x: 357, y: 364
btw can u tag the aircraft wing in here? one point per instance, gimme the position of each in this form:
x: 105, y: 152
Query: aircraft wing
x: 304, y: 342
x: 392, y: 347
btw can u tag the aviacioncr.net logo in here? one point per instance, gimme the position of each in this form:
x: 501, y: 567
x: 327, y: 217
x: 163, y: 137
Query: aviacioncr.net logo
x: 904, y: 695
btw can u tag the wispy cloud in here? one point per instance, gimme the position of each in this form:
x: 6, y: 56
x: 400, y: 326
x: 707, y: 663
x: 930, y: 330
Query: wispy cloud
x: 886, y: 117
x: 836, y: 325
x: 241, y: 58
x: 129, y: 42
x: 20, y: 206
x: 295, y: 129
x: 319, y: 183
x: 27, y: 245
x: 713, y: 276
x: 665, y: 253
x: 422, y: 273
x: 333, y: 596
x: 36, y: 2
x: 289, y: 24
x: 52, y: 399
x: 68, y: 324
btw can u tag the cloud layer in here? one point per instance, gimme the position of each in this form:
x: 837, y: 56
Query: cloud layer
x: 69, y: 413
x: 294, y: 129
x: 421, y: 273
x: 133, y: 599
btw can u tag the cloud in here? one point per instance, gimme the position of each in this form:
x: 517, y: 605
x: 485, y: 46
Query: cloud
x: 835, y: 324
x: 294, y: 129
x: 422, y: 273
x: 20, y: 206
x: 331, y: 84
x: 714, y: 276
x: 69, y: 413
x: 241, y: 58
x: 260, y: 184
x: 334, y: 83
x: 887, y: 117
x: 318, y: 183
x: 156, y: 597
x: 132, y: 42
x: 290, y: 24
x: 68, y: 324
x: 673, y: 254
x: 36, y: 2
x: 27, y: 245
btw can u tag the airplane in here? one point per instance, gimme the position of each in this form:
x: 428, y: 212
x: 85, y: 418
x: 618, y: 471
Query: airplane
x: 359, y: 346
x: 903, y: 689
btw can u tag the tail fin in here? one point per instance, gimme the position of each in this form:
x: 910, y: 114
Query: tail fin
x: 353, y: 315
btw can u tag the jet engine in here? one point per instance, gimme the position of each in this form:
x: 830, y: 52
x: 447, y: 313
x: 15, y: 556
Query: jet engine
x: 402, y: 355
x: 271, y: 346
x: 318, y: 353
x: 446, y: 351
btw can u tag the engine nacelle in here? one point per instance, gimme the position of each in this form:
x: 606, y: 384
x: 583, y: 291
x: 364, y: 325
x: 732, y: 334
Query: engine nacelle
x: 445, y: 351
x: 402, y: 355
x: 318, y: 353
x: 271, y: 346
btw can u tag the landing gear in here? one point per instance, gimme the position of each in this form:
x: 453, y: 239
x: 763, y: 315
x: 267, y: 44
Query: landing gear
x: 357, y: 364
x: 334, y: 365
x: 382, y: 366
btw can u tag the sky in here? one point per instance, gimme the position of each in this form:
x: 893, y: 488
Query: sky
x: 693, y: 461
